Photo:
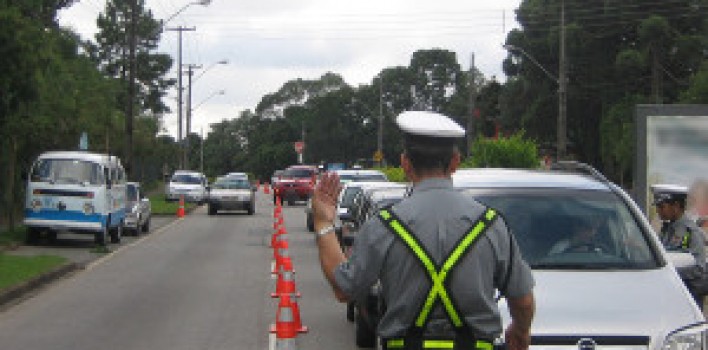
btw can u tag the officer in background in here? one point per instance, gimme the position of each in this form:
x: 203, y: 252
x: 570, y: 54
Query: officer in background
x: 439, y: 254
x: 679, y: 232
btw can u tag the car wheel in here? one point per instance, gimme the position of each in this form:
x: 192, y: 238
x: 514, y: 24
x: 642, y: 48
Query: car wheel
x: 146, y: 226
x: 32, y: 236
x: 100, y: 237
x: 212, y: 210
x: 350, y: 311
x: 117, y: 233
x: 365, y: 336
x: 310, y: 223
x: 251, y: 209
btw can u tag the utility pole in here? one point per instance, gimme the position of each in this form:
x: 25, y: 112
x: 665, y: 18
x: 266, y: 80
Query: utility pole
x: 180, y: 29
x: 562, y: 86
x: 130, y: 107
x: 379, y: 149
x: 190, y: 72
x: 473, y: 98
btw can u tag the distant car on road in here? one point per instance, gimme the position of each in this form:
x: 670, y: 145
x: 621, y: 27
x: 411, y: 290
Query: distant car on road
x: 138, y: 210
x: 346, y: 176
x: 190, y: 184
x: 296, y: 183
x: 231, y: 194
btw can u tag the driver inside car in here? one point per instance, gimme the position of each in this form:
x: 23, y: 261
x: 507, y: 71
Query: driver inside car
x: 584, y: 238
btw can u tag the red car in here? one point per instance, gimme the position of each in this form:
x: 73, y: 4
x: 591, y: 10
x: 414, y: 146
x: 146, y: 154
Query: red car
x: 296, y: 183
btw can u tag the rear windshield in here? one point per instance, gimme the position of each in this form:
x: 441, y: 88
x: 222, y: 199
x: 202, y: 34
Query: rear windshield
x: 186, y: 179
x: 232, y: 184
x: 298, y: 173
x: 67, y: 171
x: 572, y: 229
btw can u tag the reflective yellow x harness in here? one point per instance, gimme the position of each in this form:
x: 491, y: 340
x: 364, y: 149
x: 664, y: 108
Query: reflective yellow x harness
x: 437, y: 277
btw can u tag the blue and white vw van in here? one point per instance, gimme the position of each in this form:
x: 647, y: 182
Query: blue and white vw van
x: 78, y: 192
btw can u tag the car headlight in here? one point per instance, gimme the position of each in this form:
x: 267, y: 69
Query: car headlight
x: 691, y: 337
x: 36, y: 205
x: 88, y: 208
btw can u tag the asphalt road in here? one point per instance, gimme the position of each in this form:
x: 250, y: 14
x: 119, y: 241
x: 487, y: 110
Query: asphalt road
x: 202, y: 282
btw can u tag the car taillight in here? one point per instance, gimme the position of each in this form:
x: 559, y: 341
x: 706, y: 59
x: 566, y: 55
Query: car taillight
x: 37, y: 191
x: 89, y: 195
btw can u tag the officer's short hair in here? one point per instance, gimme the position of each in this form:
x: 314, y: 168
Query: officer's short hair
x: 427, y: 153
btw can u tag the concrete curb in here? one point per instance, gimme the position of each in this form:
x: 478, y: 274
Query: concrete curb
x: 16, y: 292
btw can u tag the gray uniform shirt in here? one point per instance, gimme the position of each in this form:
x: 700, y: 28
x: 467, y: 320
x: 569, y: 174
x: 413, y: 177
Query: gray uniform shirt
x: 672, y: 236
x: 438, y: 216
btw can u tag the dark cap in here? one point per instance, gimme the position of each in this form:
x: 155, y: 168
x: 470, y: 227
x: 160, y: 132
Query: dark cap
x: 666, y: 193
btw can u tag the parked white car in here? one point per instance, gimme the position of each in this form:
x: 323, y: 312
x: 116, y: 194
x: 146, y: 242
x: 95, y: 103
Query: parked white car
x: 138, y: 210
x: 190, y: 184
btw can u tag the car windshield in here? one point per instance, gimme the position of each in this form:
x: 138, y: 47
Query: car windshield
x: 131, y: 192
x: 232, y: 184
x: 348, y: 197
x: 572, y: 229
x: 362, y: 177
x: 298, y: 173
x: 186, y: 179
x: 67, y: 171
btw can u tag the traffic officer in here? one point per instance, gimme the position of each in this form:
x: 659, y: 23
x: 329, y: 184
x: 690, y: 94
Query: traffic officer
x: 439, y: 254
x: 679, y: 232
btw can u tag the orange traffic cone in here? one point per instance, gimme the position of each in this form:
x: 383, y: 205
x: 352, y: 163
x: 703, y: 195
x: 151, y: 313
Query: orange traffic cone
x: 266, y: 188
x: 276, y: 236
x: 287, y: 320
x: 180, y: 210
x: 284, y: 328
x: 285, y: 283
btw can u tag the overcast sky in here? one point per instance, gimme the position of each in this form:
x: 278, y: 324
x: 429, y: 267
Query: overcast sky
x: 269, y: 42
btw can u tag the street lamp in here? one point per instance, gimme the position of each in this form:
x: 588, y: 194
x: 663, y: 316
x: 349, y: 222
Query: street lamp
x: 190, y: 72
x: 562, y: 84
x: 180, y: 30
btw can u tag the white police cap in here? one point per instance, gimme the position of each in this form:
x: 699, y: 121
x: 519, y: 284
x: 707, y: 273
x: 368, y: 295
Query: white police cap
x: 429, y: 124
x: 668, y: 193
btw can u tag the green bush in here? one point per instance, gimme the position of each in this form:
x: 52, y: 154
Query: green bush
x: 394, y: 174
x: 505, y: 152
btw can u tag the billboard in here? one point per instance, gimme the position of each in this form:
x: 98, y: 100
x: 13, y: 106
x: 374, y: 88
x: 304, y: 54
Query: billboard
x: 672, y: 148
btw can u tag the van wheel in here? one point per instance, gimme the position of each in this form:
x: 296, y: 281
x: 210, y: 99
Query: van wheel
x: 32, y: 236
x: 52, y: 237
x: 100, y: 237
x: 117, y: 233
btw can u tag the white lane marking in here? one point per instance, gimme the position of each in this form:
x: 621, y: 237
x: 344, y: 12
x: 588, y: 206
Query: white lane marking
x: 110, y: 255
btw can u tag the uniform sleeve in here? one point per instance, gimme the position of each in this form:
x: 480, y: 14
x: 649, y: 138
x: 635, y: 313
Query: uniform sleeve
x: 356, y: 275
x: 515, y: 277
x: 698, y: 249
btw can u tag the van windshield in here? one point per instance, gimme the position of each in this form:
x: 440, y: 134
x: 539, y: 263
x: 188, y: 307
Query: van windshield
x: 67, y: 171
x: 186, y: 179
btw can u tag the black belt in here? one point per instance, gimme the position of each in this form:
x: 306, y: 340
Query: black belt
x: 401, y: 343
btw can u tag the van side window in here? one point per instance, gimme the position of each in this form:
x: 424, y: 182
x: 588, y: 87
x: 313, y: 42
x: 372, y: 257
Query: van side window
x: 107, y: 175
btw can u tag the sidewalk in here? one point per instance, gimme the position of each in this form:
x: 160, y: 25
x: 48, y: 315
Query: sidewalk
x: 78, y: 249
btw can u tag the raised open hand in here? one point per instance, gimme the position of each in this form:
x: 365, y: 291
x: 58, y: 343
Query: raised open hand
x: 324, y: 200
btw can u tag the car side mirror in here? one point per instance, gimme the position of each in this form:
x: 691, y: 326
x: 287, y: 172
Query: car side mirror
x: 346, y: 216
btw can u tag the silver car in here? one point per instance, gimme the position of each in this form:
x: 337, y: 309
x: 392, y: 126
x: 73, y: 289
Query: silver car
x: 231, y: 194
x: 138, y: 210
x: 603, y: 280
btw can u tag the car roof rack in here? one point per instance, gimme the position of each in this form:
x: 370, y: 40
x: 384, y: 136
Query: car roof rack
x: 579, y: 167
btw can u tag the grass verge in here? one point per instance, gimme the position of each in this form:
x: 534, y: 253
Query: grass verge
x: 161, y: 207
x: 15, y: 270
x: 14, y: 237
